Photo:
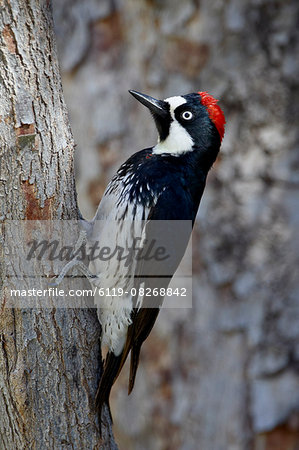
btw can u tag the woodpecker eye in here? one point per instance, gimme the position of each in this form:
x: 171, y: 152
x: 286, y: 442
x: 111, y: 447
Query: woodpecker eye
x: 187, y: 115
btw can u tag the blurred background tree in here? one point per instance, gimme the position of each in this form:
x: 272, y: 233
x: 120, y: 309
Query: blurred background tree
x: 223, y: 375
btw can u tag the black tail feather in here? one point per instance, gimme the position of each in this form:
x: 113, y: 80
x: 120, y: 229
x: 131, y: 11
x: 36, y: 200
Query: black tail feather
x: 137, y: 333
x: 135, y: 352
x: 111, y: 368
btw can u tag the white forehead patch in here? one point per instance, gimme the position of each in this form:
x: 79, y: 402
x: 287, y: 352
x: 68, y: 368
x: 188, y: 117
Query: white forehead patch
x: 178, y: 140
x: 174, y: 102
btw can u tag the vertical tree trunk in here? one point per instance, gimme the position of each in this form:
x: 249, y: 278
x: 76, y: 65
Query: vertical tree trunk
x: 49, y: 358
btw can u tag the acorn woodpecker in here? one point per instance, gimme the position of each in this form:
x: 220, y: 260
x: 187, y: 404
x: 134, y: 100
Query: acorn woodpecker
x: 161, y: 183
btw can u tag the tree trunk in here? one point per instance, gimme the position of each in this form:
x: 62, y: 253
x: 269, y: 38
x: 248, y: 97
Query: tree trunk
x: 49, y: 357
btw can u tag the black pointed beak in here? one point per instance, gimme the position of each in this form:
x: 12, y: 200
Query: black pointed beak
x: 159, y: 110
x: 158, y: 107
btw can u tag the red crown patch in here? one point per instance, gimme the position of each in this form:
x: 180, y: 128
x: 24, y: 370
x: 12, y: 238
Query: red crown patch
x: 214, y: 110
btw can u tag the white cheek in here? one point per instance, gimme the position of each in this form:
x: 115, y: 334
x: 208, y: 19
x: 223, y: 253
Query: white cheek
x: 178, y: 141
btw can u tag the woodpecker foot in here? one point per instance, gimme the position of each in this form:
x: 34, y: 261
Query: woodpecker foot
x: 74, y: 263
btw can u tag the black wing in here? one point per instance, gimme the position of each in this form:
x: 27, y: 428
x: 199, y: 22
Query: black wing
x: 165, y: 224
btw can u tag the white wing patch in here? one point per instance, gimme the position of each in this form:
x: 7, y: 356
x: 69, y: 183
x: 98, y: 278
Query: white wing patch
x: 113, y: 227
x: 178, y: 140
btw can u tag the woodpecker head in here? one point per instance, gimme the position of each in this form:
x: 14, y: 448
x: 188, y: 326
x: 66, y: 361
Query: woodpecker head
x: 185, y: 123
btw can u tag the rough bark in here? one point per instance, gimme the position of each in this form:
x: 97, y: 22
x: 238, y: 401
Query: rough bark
x: 223, y: 375
x: 49, y: 358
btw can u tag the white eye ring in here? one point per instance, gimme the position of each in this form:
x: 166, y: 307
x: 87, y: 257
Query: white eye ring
x: 187, y: 115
